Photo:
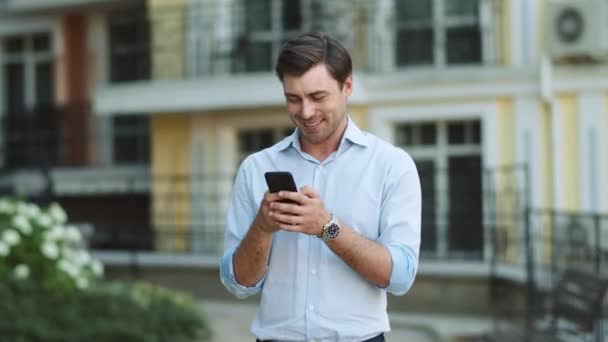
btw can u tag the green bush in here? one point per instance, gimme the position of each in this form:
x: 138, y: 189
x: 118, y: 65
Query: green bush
x: 108, y: 312
x: 51, y: 288
x: 39, y: 248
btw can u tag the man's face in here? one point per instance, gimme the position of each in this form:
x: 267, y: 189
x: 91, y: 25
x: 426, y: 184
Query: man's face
x: 317, y: 104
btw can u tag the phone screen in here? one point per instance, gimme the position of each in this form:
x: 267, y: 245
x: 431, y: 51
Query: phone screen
x: 280, y: 180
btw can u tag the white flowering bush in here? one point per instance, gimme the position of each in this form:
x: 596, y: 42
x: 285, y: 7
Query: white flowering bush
x: 39, y: 249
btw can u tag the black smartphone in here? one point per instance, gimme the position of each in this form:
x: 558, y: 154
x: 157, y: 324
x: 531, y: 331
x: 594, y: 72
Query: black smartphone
x: 281, y: 180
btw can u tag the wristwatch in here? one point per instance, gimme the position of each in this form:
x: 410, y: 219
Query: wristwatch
x: 331, y: 229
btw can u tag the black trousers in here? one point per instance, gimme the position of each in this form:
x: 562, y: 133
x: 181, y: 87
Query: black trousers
x: 379, y: 338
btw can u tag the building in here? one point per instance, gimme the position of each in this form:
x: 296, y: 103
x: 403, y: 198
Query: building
x: 502, y: 103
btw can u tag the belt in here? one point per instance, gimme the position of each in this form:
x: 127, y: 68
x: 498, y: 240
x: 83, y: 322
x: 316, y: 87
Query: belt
x: 378, y: 338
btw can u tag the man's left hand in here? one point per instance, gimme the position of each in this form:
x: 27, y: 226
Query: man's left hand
x: 308, y: 215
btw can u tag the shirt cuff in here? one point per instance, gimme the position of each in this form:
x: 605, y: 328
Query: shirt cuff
x: 404, y: 269
x: 229, y: 280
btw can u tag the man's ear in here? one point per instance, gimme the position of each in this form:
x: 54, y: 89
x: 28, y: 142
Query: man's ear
x: 347, y: 86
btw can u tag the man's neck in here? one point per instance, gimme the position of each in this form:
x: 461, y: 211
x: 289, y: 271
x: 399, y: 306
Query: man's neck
x: 324, y: 149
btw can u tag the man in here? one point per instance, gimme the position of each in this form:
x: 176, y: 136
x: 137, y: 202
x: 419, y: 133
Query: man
x: 323, y: 265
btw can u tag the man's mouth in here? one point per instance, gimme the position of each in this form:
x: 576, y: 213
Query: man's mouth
x: 311, y: 125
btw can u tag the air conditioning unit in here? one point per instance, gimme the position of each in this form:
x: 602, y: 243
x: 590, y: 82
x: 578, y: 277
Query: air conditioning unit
x: 578, y: 28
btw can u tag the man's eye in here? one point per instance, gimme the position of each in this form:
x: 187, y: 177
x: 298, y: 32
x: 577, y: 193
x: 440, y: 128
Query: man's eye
x: 319, y: 98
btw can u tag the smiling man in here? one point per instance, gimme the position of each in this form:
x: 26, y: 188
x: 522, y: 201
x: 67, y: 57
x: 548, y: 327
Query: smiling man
x: 325, y: 261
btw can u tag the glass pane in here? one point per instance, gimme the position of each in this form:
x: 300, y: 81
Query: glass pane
x: 404, y: 135
x: 129, y: 46
x: 45, y: 90
x: 259, y: 56
x: 131, y: 139
x: 426, y: 171
x: 461, y: 7
x: 250, y: 141
x: 413, y: 9
x: 42, y: 42
x: 463, y: 45
x: 258, y: 14
x: 292, y: 15
x: 456, y: 132
x: 14, y: 78
x: 285, y: 132
x: 428, y: 134
x: 465, y: 196
x: 476, y: 132
x: 414, y: 46
x: 13, y: 44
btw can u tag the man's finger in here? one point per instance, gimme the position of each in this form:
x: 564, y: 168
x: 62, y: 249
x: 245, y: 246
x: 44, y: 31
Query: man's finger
x: 286, y: 218
x: 309, y: 192
x: 292, y: 196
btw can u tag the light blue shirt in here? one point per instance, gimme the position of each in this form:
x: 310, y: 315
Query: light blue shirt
x: 307, y: 292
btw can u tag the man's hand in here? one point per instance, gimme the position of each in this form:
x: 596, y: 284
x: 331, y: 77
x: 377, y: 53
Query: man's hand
x: 307, y: 216
x: 263, y: 221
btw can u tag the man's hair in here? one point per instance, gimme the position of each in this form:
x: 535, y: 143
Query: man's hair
x: 300, y: 54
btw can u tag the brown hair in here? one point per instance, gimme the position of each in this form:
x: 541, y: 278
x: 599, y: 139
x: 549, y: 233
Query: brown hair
x: 300, y: 54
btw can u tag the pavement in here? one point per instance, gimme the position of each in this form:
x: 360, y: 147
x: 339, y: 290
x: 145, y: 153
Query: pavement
x: 230, y: 322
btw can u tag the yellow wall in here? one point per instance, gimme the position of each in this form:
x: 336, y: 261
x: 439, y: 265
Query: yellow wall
x: 505, y: 178
x: 171, y: 207
x: 506, y: 132
x: 168, y: 38
x: 359, y: 114
x: 569, y: 146
x: 502, y: 33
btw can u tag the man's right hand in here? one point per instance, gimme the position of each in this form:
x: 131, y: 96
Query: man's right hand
x: 263, y: 221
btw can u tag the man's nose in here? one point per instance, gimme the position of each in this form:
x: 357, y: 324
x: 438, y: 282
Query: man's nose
x: 308, y: 110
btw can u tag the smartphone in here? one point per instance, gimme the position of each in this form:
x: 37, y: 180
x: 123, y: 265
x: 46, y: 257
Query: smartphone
x: 281, y: 180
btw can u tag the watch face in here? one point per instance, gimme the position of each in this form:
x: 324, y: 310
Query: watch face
x: 332, y: 231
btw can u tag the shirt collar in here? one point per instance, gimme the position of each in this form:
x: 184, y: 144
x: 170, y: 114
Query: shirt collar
x: 353, y: 134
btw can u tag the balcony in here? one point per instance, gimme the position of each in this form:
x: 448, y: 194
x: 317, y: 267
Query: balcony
x: 171, y: 58
x: 47, y: 137
x: 59, y: 149
x: 32, y: 6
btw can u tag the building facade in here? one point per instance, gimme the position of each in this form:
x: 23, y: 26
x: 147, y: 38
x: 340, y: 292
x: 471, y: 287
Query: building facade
x: 503, y: 104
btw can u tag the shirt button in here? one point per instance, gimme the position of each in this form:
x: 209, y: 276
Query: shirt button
x: 311, y: 307
x: 313, y: 271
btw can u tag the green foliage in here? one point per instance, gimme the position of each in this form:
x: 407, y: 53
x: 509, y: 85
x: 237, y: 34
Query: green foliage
x: 38, y: 249
x: 109, y: 312
x: 50, y: 289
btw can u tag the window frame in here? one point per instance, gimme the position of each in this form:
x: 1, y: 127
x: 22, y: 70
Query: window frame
x: 30, y: 59
x: 440, y: 23
x: 275, y: 35
x: 138, y: 20
x: 439, y: 154
x: 140, y: 140
x: 276, y: 131
x: 384, y: 119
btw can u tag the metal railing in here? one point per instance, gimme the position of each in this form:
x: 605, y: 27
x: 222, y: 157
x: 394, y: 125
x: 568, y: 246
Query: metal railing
x: 46, y: 136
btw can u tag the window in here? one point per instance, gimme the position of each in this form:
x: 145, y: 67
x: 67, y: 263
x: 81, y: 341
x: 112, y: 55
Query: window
x: 28, y: 69
x: 448, y: 158
x: 129, y: 45
x: 266, y: 25
x: 437, y: 32
x: 253, y: 140
x: 131, y: 139
x: 29, y: 77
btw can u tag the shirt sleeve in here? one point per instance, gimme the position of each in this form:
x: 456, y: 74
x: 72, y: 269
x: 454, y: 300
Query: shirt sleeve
x: 241, y: 212
x: 400, y: 219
